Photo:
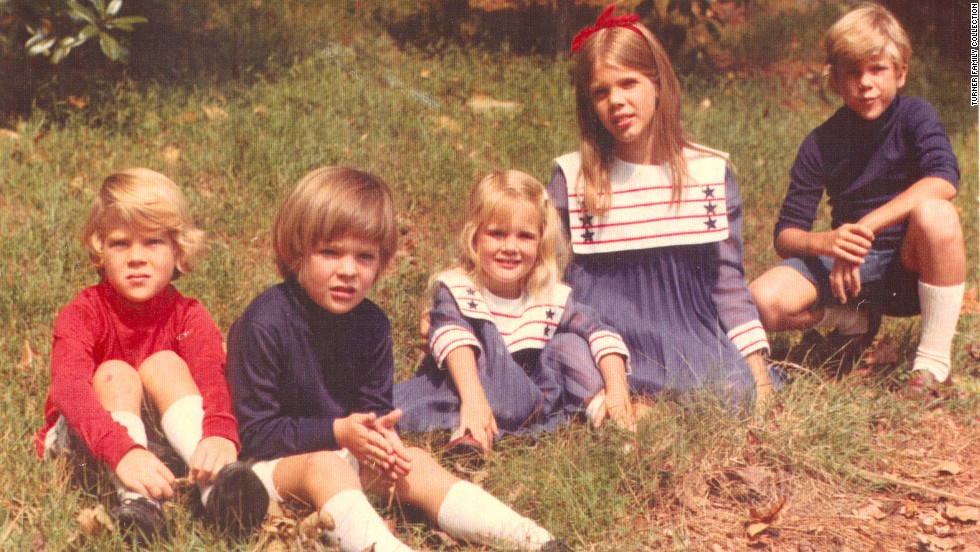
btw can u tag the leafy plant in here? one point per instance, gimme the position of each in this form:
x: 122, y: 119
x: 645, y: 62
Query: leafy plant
x: 57, y: 27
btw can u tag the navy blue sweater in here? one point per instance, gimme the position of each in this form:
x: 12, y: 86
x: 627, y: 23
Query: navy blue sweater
x: 862, y: 165
x: 294, y: 368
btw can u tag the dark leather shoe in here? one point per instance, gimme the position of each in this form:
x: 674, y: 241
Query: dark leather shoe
x: 238, y: 502
x: 555, y: 546
x: 140, y: 520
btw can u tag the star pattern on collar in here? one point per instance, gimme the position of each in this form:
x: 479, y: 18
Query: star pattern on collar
x: 550, y: 314
x: 586, y: 219
x: 711, y: 223
x: 588, y: 236
x: 710, y: 208
x: 708, y: 192
x: 472, y: 304
x: 547, y: 330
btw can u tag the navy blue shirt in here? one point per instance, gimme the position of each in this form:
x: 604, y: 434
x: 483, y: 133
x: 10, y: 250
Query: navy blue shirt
x: 862, y: 165
x: 294, y: 368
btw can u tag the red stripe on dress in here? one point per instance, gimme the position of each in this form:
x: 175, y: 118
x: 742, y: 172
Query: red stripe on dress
x: 644, y: 188
x: 645, y: 221
x: 754, y: 343
x: 747, y: 330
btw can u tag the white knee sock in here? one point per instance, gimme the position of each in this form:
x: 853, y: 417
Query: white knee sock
x: 358, y: 525
x: 183, y: 426
x: 940, y: 312
x: 137, y: 432
x: 472, y: 514
x: 847, y: 319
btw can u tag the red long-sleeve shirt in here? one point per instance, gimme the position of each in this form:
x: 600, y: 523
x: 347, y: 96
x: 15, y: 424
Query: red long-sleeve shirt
x: 99, y: 325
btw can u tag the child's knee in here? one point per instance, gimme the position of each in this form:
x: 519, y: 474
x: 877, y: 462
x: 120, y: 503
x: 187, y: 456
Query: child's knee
x: 937, y: 222
x: 116, y: 376
x: 164, y: 368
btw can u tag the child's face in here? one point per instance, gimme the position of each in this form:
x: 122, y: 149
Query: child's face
x: 507, y: 247
x: 139, y: 264
x: 625, y: 102
x: 869, y: 87
x: 338, y: 273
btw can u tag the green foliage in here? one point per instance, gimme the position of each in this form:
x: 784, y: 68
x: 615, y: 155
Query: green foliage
x: 57, y: 27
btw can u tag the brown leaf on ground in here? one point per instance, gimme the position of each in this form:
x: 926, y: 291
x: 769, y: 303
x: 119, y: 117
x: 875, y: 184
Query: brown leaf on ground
x: 870, y: 511
x: 170, y: 153
x: 7, y: 133
x: 756, y: 529
x: 966, y: 514
x: 187, y: 117
x: 261, y: 110
x: 948, y: 467
x: 95, y: 521
x: 77, y: 102
x: 884, y: 352
x: 755, y: 478
x: 971, y: 303
x: 215, y: 113
x: 37, y: 542
x: 26, y: 356
x: 974, y: 350
x: 770, y: 516
x: 936, y: 544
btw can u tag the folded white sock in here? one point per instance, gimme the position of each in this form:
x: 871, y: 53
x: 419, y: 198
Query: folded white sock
x: 474, y: 515
x: 358, y: 526
x: 940, y: 307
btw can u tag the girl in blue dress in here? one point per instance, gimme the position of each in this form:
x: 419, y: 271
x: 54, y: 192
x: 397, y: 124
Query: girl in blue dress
x: 654, y: 222
x: 510, y: 350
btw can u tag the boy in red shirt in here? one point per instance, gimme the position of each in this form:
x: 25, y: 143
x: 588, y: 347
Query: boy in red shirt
x: 134, y: 336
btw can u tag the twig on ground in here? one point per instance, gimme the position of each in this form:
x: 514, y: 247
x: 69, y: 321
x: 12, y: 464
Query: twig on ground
x: 882, y: 478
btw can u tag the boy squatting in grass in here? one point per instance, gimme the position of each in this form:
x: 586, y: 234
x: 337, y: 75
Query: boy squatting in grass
x: 896, y: 245
x: 311, y: 369
x: 133, y: 336
x: 512, y: 351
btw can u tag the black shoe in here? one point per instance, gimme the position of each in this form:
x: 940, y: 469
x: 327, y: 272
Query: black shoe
x: 140, y: 520
x: 555, y: 546
x: 238, y: 502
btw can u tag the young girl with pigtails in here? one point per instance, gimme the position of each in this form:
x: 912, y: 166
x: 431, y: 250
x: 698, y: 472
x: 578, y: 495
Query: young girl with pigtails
x: 654, y: 222
x: 511, y: 351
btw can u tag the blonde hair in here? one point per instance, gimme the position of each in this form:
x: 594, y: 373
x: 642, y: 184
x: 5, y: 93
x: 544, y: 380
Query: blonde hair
x: 329, y: 203
x: 866, y: 31
x: 143, y: 199
x: 494, y: 194
x: 622, y: 47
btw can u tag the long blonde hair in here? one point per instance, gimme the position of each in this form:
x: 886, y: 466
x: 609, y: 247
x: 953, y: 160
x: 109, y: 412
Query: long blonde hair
x: 642, y: 52
x: 496, y: 193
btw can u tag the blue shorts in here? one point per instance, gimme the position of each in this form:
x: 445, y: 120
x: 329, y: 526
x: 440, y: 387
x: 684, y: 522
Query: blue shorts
x: 886, y: 285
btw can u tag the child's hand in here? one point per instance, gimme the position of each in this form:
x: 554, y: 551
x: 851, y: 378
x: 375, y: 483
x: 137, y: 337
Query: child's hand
x: 764, y: 391
x: 142, y: 472
x: 358, y: 434
x: 851, y: 242
x: 619, y: 408
x: 400, y: 461
x: 476, y: 416
x: 845, y: 280
x: 425, y: 322
x: 211, y: 454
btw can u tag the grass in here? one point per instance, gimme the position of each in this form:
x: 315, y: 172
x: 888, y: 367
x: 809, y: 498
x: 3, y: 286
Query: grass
x: 236, y: 148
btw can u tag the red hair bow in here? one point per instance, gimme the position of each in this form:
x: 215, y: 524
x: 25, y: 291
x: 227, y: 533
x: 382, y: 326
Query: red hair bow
x: 605, y: 21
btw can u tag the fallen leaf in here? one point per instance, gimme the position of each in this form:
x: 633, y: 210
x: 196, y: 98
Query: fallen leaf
x: 260, y: 110
x: 883, y: 352
x: 425, y: 73
x: 215, y: 113
x: 26, y: 356
x: 484, y: 104
x: 7, y: 133
x: 936, y: 544
x: 870, y: 511
x: 170, y: 153
x: 755, y: 529
x: 187, y: 117
x: 755, y: 477
x: 971, y: 303
x: 948, y: 467
x: 966, y: 514
x: 974, y: 350
x: 705, y: 104
x: 37, y: 542
x: 95, y: 521
x: 770, y: 516
x: 77, y: 102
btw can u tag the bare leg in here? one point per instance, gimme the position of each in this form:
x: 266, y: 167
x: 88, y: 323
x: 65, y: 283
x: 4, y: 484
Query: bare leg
x: 785, y: 300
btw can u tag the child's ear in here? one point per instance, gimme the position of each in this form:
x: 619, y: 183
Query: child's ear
x: 901, y: 71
